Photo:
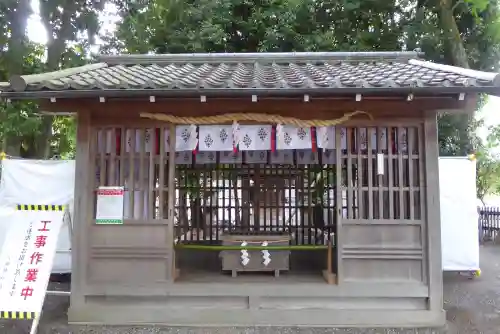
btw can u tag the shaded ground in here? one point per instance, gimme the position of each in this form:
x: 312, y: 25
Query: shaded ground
x: 472, y: 305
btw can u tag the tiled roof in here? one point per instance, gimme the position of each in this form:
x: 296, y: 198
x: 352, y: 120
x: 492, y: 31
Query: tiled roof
x: 250, y: 72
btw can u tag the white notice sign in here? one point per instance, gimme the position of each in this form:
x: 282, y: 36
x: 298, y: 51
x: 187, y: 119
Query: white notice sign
x: 109, y: 205
x: 26, y: 259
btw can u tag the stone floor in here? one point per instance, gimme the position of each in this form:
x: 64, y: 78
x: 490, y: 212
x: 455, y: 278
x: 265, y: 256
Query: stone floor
x: 472, y: 305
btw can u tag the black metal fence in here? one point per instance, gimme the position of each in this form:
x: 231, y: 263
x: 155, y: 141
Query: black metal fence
x: 489, y: 223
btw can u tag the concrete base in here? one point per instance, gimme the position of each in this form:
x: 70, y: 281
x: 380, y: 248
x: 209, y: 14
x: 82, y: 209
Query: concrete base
x: 125, y: 315
x: 253, y: 330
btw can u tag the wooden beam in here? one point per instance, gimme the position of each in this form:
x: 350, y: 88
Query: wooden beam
x: 315, y: 108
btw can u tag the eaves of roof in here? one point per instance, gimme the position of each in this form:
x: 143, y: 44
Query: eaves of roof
x: 264, y: 74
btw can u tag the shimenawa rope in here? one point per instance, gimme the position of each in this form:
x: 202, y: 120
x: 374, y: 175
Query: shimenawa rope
x: 265, y: 118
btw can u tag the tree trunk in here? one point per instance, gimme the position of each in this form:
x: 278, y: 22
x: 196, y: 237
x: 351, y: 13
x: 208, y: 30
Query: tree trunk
x: 17, y: 41
x: 15, y: 57
x: 453, y: 42
x: 457, y: 56
x: 45, y: 149
x: 55, y: 49
x: 413, y: 38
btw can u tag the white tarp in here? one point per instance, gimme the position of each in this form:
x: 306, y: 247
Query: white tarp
x: 459, y: 217
x: 39, y: 182
x: 26, y: 259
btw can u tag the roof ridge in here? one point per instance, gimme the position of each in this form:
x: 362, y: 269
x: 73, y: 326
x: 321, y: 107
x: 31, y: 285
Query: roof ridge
x: 314, y: 73
x: 129, y: 59
x: 20, y: 82
x: 466, y: 72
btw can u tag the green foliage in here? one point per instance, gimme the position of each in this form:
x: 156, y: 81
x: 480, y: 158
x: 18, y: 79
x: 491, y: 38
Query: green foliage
x: 19, y: 120
x: 64, y: 137
x: 477, y: 6
x: 249, y: 26
x: 22, y: 130
x: 488, y: 164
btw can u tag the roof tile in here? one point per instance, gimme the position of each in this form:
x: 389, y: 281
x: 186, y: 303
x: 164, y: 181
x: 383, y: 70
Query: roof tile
x: 224, y: 73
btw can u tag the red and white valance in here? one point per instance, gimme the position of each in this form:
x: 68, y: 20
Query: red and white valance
x: 254, y: 137
x: 327, y: 138
x: 235, y: 138
x: 293, y: 138
x: 186, y: 138
x: 216, y: 138
x: 134, y: 144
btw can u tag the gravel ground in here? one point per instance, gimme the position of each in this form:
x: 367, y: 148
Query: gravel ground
x: 473, y: 307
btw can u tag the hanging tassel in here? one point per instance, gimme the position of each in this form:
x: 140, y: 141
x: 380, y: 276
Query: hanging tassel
x: 314, y: 144
x: 324, y: 137
x: 166, y: 133
x: 236, y: 136
x: 279, y: 134
x: 194, y: 131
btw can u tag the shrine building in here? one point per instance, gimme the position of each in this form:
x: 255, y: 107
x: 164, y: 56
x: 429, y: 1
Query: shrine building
x: 260, y: 189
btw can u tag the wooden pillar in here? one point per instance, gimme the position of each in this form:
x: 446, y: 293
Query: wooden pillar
x: 338, y: 204
x: 432, y: 218
x: 257, y: 181
x: 82, y: 220
x: 172, y: 271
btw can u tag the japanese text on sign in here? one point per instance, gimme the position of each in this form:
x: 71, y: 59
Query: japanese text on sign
x: 26, y: 259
